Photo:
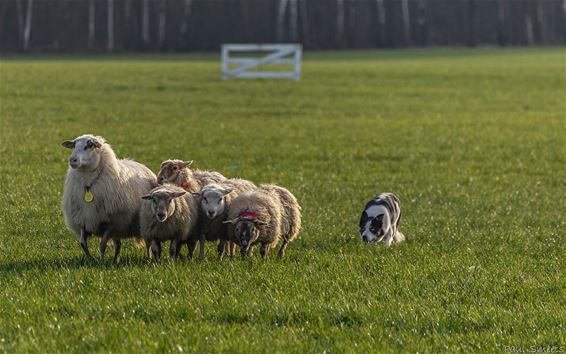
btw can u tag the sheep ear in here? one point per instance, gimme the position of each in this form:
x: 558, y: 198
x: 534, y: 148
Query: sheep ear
x: 233, y: 221
x: 96, y: 143
x: 227, y: 191
x: 147, y: 196
x: 187, y: 164
x: 177, y: 194
x: 69, y: 144
x: 259, y: 222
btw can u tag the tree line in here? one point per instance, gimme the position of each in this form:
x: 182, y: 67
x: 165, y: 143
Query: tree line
x: 187, y: 25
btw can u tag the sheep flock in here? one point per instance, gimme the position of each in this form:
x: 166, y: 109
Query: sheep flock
x: 115, y: 198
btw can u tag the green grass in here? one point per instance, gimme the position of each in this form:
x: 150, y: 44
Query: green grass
x: 473, y: 142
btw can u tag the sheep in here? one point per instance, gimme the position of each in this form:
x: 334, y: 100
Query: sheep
x: 177, y: 172
x: 215, y: 200
x: 264, y: 216
x: 102, y: 195
x: 169, y: 213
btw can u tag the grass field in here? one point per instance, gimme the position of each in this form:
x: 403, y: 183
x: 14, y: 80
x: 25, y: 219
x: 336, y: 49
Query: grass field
x: 473, y: 142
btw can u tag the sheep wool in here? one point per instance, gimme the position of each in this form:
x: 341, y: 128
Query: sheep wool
x: 264, y: 207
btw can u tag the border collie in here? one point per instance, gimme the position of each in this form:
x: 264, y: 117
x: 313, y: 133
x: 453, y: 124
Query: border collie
x: 380, y: 220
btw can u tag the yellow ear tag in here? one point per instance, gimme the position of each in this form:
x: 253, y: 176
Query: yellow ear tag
x: 88, y: 196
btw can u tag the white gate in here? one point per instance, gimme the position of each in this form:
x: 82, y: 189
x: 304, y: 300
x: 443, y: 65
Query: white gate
x: 276, y: 54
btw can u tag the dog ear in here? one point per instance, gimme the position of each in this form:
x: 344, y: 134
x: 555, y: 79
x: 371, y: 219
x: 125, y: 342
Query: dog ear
x: 363, y: 219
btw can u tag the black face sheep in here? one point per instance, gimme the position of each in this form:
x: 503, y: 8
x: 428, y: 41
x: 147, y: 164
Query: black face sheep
x: 215, y: 200
x: 102, y: 194
x: 264, y: 216
x: 380, y: 220
x: 177, y: 172
x: 169, y: 213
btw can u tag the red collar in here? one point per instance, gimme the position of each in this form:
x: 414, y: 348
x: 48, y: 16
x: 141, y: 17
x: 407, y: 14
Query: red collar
x: 185, y: 185
x: 248, y: 215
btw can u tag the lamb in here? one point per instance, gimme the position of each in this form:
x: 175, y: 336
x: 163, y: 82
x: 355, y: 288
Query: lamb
x: 264, y: 216
x: 170, y: 213
x: 215, y: 200
x: 177, y: 172
x: 102, y: 195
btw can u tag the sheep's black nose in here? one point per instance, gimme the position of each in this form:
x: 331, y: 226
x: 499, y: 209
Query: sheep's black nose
x: 161, y: 215
x: 73, y: 162
x: 210, y: 213
x: 365, y: 238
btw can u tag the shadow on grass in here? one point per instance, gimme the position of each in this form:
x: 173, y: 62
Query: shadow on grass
x: 69, y: 264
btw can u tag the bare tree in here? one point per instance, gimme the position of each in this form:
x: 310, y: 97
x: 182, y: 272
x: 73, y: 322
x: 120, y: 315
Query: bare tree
x: 541, y: 22
x: 529, y: 27
x: 340, y: 22
x: 421, y: 20
x: 304, y: 21
x: 381, y: 20
x: 145, y: 22
x: 91, y: 24
x: 471, y: 23
x: 187, y: 12
x: 501, y: 22
x: 20, y: 22
x: 294, y: 20
x: 281, y: 19
x: 110, y: 25
x: 162, y: 23
x: 27, y: 27
x: 406, y: 21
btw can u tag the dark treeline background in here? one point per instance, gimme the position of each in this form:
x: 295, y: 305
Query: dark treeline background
x: 186, y: 25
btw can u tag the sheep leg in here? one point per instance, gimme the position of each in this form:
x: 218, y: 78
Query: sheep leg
x: 178, y: 249
x: 221, y: 248
x: 84, y: 245
x: 231, y: 248
x: 103, y: 244
x: 148, y: 250
x: 117, y: 250
x: 201, y: 246
x: 264, y: 250
x: 191, y: 245
x: 156, y: 249
x: 283, y: 248
x: 173, y: 250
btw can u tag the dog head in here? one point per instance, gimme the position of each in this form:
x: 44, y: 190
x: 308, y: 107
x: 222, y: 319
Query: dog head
x: 374, y: 223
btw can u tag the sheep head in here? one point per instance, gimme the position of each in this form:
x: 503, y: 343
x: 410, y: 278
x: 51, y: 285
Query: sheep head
x: 170, y: 169
x: 246, y: 229
x: 212, y: 200
x: 162, y: 202
x: 86, y: 152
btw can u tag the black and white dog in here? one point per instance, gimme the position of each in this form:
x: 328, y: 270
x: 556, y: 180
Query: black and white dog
x: 380, y: 220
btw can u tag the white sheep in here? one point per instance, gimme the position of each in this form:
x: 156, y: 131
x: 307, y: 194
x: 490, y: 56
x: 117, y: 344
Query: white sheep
x: 264, y: 216
x: 215, y: 200
x: 170, y: 213
x: 102, y: 194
